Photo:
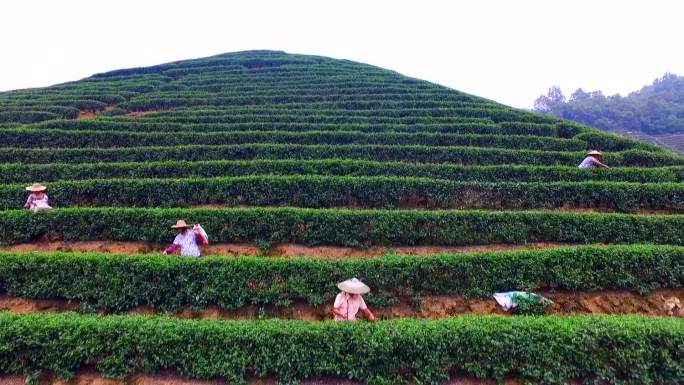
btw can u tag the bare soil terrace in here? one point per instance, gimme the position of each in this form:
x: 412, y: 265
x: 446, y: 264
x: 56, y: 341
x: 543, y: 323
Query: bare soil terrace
x: 279, y: 250
x: 660, y: 302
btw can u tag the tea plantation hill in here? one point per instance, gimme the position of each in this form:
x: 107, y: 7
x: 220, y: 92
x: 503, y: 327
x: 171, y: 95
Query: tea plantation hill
x: 335, y: 162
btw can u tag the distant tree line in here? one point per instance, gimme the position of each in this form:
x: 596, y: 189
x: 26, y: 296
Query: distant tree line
x: 656, y: 109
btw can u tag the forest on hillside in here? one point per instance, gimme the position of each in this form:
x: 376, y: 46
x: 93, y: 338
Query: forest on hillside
x: 655, y: 112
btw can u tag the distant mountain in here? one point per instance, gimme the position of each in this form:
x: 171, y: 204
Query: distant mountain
x: 655, y: 113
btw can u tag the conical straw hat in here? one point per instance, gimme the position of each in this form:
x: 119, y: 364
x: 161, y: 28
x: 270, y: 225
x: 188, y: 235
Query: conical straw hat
x: 181, y: 224
x: 353, y: 286
x: 36, y: 187
x: 594, y: 152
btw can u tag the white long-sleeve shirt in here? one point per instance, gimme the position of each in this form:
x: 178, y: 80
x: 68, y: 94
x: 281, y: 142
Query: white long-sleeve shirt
x: 589, y: 162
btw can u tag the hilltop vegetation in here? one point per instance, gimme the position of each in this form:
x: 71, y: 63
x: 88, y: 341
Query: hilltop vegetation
x: 343, y: 161
x: 656, y: 111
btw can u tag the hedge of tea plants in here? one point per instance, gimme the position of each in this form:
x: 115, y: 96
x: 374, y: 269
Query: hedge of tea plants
x: 116, y: 283
x: 318, y: 191
x: 540, y: 350
x: 342, y: 227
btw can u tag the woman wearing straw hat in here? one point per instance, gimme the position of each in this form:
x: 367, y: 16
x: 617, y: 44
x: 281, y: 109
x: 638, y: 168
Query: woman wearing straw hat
x: 38, y: 199
x: 593, y: 160
x: 186, y: 241
x: 349, y: 301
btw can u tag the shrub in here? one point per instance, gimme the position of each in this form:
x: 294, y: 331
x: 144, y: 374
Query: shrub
x: 27, y: 173
x: 117, y: 283
x: 541, y: 350
x: 415, y: 153
x: 358, y: 191
x: 28, y: 138
x: 342, y: 227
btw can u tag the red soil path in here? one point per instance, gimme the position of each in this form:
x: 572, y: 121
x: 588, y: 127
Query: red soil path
x: 89, y: 114
x: 140, y: 113
x: 405, y: 206
x: 656, y: 303
x: 86, y: 114
x: 280, y: 250
x: 91, y: 377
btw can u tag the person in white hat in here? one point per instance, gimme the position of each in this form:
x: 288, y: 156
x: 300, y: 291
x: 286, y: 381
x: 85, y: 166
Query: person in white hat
x: 38, y: 199
x: 593, y: 160
x: 186, y: 241
x: 349, y: 301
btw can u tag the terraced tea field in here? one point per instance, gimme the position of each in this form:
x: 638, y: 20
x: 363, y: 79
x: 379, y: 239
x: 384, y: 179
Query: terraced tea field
x: 306, y: 171
x: 675, y: 142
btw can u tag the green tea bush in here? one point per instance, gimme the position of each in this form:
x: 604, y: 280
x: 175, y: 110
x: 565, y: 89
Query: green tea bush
x: 29, y: 138
x: 358, y: 191
x: 315, y: 122
x: 27, y: 173
x: 415, y: 153
x: 342, y: 227
x: 540, y: 350
x: 116, y: 283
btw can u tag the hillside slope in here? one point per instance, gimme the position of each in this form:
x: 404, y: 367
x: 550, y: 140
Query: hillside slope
x: 314, y: 170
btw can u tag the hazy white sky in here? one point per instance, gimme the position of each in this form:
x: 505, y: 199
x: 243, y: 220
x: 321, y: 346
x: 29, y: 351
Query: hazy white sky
x: 509, y: 51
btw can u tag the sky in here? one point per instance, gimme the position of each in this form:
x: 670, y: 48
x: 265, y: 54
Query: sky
x: 508, y: 51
